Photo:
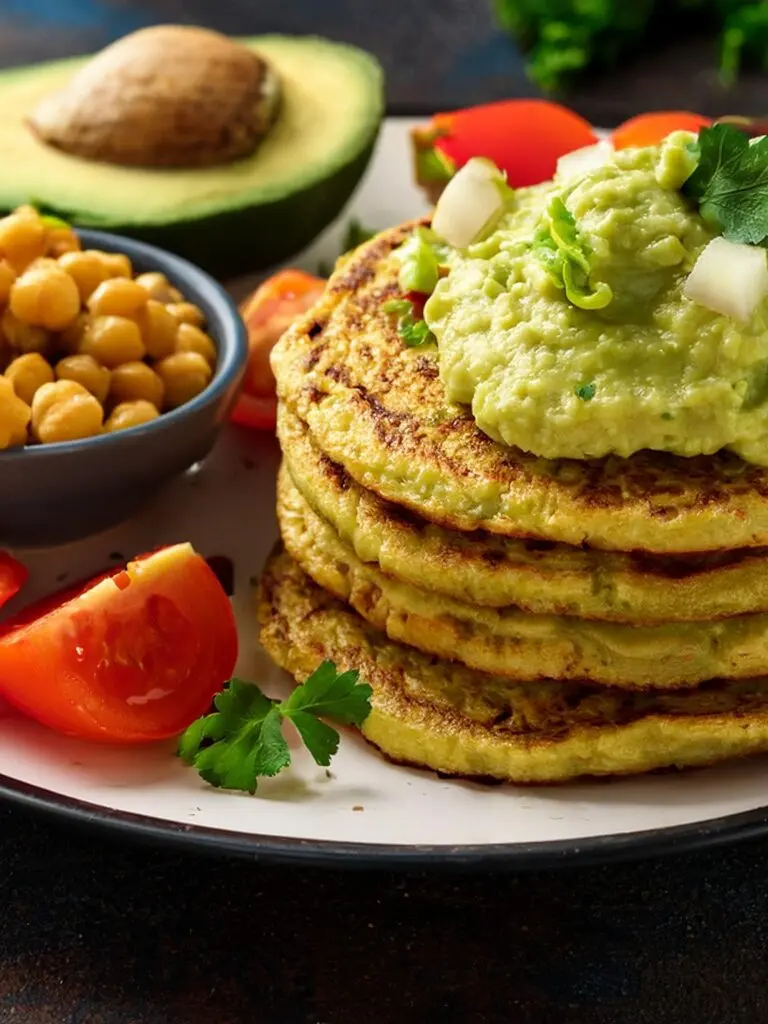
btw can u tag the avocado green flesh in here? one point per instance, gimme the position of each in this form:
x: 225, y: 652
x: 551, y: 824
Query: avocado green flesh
x: 231, y: 218
x: 651, y: 370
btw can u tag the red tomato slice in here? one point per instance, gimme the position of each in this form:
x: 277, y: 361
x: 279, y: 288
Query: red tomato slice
x: 256, y: 413
x: 13, y: 576
x: 525, y: 138
x: 650, y: 129
x: 131, y: 656
x: 268, y: 313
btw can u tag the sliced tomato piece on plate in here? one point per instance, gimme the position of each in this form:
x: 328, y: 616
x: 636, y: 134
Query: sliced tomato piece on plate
x: 132, y: 656
x: 268, y: 313
x: 650, y: 129
x: 13, y: 576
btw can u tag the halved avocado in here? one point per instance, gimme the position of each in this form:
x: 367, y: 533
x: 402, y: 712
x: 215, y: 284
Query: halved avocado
x: 231, y: 218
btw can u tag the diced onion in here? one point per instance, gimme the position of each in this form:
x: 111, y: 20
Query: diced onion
x: 470, y: 203
x: 582, y: 161
x: 729, y: 278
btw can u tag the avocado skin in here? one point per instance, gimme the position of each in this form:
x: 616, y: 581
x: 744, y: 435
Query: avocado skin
x: 255, y: 236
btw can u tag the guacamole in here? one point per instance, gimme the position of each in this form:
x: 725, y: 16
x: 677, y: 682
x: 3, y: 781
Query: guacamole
x: 645, y: 367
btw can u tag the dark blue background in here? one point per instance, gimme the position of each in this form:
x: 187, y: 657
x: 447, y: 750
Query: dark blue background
x: 437, y: 53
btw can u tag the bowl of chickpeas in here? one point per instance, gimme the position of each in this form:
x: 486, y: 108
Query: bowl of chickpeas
x: 118, y: 364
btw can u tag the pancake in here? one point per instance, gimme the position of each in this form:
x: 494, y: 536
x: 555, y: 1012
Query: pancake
x: 539, y: 577
x: 458, y: 721
x: 512, y: 643
x: 378, y: 409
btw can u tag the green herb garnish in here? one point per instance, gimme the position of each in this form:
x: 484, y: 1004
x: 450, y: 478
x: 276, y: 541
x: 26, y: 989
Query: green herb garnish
x: 564, y: 254
x: 413, y: 332
x: 243, y: 740
x: 586, y: 392
x: 356, y: 234
x: 730, y: 184
x: 419, y: 267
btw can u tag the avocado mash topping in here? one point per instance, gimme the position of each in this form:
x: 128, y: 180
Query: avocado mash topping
x: 526, y: 337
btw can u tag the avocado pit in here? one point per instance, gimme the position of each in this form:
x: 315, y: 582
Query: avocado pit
x: 167, y: 96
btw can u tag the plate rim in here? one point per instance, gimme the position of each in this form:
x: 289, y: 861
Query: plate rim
x: 327, y: 853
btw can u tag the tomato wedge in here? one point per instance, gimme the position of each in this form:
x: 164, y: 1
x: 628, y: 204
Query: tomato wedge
x: 268, y: 313
x: 525, y: 138
x: 650, y: 129
x: 132, y: 656
x: 13, y: 576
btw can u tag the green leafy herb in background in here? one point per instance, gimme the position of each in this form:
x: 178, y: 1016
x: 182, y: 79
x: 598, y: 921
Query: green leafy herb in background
x: 563, y: 38
x: 242, y: 741
x: 730, y: 184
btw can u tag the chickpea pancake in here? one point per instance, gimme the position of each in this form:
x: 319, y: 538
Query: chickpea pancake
x: 379, y: 409
x: 513, y: 643
x: 541, y: 577
x: 458, y: 721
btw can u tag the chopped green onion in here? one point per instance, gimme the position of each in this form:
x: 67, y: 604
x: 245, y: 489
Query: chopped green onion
x: 419, y: 269
x: 586, y: 392
x: 399, y: 306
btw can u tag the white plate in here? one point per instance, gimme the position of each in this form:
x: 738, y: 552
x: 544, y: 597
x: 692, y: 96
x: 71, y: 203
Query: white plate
x: 367, y: 811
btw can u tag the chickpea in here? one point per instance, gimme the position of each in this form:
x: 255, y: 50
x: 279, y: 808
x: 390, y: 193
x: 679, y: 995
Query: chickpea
x: 117, y: 264
x: 65, y: 411
x: 60, y: 241
x: 131, y: 414
x: 70, y: 338
x: 158, y: 329
x: 28, y: 373
x: 23, y: 337
x: 132, y: 382
x: 112, y: 340
x: 86, y: 371
x: 192, y: 339
x: 7, y: 277
x: 22, y: 237
x: 117, y: 297
x: 14, y: 416
x: 45, y: 297
x: 187, y: 313
x: 86, y: 269
x: 185, y: 374
x: 157, y: 286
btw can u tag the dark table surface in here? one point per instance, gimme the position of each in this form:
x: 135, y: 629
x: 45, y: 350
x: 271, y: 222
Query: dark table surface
x: 96, y: 932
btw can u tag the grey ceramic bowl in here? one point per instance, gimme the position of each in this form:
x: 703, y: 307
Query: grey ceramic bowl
x: 54, y: 493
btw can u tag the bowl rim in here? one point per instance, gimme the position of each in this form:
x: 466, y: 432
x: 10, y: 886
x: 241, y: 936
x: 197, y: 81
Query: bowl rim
x: 232, y: 345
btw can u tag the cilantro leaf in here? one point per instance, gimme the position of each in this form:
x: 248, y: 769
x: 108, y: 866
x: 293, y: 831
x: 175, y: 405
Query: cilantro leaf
x: 415, y: 332
x: 320, y: 739
x: 242, y: 740
x: 245, y: 739
x: 730, y: 184
x: 331, y: 695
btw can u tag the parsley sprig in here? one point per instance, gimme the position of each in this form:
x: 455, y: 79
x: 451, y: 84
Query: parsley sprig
x: 242, y: 740
x: 730, y: 183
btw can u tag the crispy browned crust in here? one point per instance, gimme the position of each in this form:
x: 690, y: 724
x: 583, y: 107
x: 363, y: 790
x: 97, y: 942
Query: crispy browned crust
x: 462, y: 722
x: 538, y: 576
x: 379, y: 410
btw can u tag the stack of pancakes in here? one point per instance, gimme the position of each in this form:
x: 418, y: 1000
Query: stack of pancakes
x: 517, y: 618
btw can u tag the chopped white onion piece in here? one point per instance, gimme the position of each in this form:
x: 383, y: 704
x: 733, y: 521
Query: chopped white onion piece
x: 470, y: 203
x: 582, y: 161
x: 729, y: 278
